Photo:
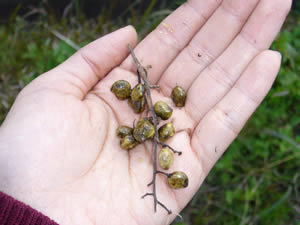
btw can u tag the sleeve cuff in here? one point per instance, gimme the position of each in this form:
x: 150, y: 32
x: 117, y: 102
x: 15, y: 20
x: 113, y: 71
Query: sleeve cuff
x: 14, y: 212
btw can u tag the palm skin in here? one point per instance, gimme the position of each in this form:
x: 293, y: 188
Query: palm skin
x: 59, y: 151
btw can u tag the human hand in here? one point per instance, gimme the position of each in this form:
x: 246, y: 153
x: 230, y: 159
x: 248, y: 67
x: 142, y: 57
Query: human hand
x: 59, y: 152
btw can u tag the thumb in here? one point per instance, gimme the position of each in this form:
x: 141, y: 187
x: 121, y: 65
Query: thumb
x: 78, y: 74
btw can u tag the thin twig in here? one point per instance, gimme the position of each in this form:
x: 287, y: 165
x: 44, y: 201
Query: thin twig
x: 168, y: 146
x: 142, y: 75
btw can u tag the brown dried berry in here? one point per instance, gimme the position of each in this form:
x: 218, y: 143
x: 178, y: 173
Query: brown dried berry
x: 163, y: 110
x: 179, y: 96
x: 165, y: 158
x: 128, y: 142
x: 121, y: 89
x: 166, y: 131
x: 144, y: 130
x: 178, y: 180
x: 123, y: 131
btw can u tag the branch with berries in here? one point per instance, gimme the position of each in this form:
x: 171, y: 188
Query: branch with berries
x: 139, y: 98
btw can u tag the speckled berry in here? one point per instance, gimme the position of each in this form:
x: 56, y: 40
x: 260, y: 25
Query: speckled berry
x: 179, y: 96
x: 144, y: 130
x: 137, y: 106
x: 123, y: 131
x: 128, y: 142
x: 163, y: 110
x: 121, y: 89
x: 166, y: 131
x: 178, y: 180
x: 137, y: 92
x: 165, y: 158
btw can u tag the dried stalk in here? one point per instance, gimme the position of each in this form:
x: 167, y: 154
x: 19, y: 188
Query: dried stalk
x: 142, y: 75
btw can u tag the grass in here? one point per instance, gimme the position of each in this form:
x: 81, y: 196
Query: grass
x: 258, y: 179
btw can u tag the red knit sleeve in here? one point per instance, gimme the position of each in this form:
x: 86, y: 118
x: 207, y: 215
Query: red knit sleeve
x: 13, y: 212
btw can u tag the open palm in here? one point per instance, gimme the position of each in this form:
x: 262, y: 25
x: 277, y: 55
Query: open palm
x: 59, y: 151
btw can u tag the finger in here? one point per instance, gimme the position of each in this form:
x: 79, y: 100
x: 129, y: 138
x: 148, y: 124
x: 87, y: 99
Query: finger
x: 218, y: 78
x: 210, y: 41
x: 78, y: 74
x: 221, y: 124
x: 163, y: 44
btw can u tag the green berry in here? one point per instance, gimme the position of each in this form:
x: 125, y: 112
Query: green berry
x: 165, y: 158
x: 137, y: 106
x: 121, y: 89
x: 123, y: 131
x: 166, y: 131
x: 163, y: 110
x: 137, y: 92
x: 178, y: 180
x: 128, y: 142
x: 179, y: 96
x: 144, y: 130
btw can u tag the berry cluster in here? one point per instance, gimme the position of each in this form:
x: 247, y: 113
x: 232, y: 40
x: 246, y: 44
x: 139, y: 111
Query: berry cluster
x: 139, y: 98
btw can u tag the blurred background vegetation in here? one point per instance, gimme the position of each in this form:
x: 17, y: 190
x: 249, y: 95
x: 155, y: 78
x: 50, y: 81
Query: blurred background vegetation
x: 258, y: 179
